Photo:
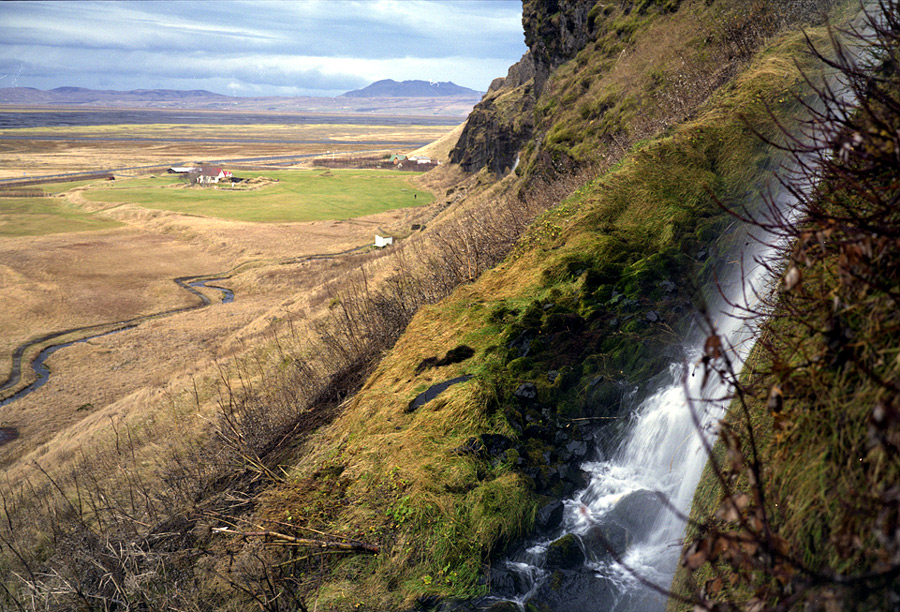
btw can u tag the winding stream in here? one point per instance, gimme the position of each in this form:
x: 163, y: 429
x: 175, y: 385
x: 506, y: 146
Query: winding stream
x: 38, y: 364
x: 188, y: 283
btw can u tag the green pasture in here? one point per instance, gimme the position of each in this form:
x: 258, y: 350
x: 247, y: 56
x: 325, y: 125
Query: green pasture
x: 299, y: 195
x: 39, y: 216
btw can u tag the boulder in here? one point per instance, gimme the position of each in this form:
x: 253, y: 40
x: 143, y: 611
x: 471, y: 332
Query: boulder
x: 550, y: 515
x: 626, y: 523
x: 526, y: 391
x: 570, y: 590
x: 564, y: 553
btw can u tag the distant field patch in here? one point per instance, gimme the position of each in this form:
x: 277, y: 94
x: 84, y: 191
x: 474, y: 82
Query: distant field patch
x: 40, y: 216
x: 298, y: 195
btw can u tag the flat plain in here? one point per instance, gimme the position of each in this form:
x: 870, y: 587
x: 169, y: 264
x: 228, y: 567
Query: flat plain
x: 97, y: 252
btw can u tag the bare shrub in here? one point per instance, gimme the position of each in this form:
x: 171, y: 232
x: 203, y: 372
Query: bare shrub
x: 820, y: 404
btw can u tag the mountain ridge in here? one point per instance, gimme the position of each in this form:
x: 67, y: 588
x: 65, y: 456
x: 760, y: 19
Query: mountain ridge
x: 389, y: 88
x: 198, y: 99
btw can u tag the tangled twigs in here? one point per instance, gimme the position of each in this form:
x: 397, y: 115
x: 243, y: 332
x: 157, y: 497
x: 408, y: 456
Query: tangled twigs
x: 288, y: 540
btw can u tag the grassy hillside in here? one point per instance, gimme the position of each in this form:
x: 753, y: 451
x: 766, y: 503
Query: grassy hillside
x: 444, y: 486
x: 799, y: 506
x: 37, y: 216
x: 284, y: 482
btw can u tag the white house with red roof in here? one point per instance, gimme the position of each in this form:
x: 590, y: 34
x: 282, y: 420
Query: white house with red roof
x: 212, y: 174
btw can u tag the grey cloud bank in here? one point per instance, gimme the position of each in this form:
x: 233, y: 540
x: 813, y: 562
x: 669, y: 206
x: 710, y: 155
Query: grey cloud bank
x: 310, y: 48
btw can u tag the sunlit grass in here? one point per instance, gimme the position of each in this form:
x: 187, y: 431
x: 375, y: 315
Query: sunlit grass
x: 39, y: 216
x: 298, y: 195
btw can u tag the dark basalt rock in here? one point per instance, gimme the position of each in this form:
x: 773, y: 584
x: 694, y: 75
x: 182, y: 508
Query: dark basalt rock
x: 564, y: 553
x: 496, y: 444
x: 634, y: 513
x: 522, y: 342
x: 570, y: 590
x: 526, y: 391
x: 493, y: 137
x: 550, y: 515
x: 433, y: 391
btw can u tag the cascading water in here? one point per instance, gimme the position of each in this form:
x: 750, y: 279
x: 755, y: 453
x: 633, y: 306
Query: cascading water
x: 661, y: 458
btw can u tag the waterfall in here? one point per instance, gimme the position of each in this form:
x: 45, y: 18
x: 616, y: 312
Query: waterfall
x: 661, y: 456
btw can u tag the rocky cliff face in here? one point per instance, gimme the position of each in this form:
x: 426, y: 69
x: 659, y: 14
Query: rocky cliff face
x: 499, y: 125
x: 555, y: 31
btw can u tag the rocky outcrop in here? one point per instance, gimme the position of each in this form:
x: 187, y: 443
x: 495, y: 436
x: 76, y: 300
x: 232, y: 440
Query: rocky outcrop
x: 500, y: 124
x: 555, y: 31
x: 503, y: 121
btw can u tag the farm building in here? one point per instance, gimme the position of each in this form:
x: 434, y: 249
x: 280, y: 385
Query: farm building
x: 212, y: 174
x: 383, y: 241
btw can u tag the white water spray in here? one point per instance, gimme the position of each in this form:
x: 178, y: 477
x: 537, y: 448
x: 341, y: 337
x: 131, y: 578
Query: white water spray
x: 663, y: 455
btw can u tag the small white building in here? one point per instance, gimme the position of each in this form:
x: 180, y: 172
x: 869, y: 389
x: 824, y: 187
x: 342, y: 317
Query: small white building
x: 383, y: 241
x: 212, y: 174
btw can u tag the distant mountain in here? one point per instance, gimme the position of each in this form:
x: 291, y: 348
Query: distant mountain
x: 438, y: 102
x: 390, y: 88
x: 81, y: 95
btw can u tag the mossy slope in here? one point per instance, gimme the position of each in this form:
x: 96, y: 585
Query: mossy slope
x: 590, y: 303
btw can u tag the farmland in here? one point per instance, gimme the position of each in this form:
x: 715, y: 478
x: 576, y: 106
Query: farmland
x: 283, y: 196
x: 94, y: 252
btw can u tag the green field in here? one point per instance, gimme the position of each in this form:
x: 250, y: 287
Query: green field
x: 299, y: 195
x: 39, y: 216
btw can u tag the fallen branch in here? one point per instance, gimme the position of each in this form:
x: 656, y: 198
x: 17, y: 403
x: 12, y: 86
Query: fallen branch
x: 282, y: 537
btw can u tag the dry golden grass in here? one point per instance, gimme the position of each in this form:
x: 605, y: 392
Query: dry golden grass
x: 440, y: 148
x: 61, y: 281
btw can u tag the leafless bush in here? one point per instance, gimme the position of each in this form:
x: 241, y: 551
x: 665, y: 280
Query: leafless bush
x: 830, y: 394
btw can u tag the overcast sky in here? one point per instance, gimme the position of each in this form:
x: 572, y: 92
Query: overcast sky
x: 250, y: 48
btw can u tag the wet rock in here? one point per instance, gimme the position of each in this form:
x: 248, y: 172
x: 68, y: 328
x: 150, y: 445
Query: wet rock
x: 577, y: 448
x: 668, y: 286
x: 626, y: 523
x: 570, y: 590
x: 652, y: 316
x: 526, y: 391
x: 550, y: 515
x: 508, y: 581
x: 522, y: 342
x: 552, y: 375
x: 578, y: 478
x: 564, y: 553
